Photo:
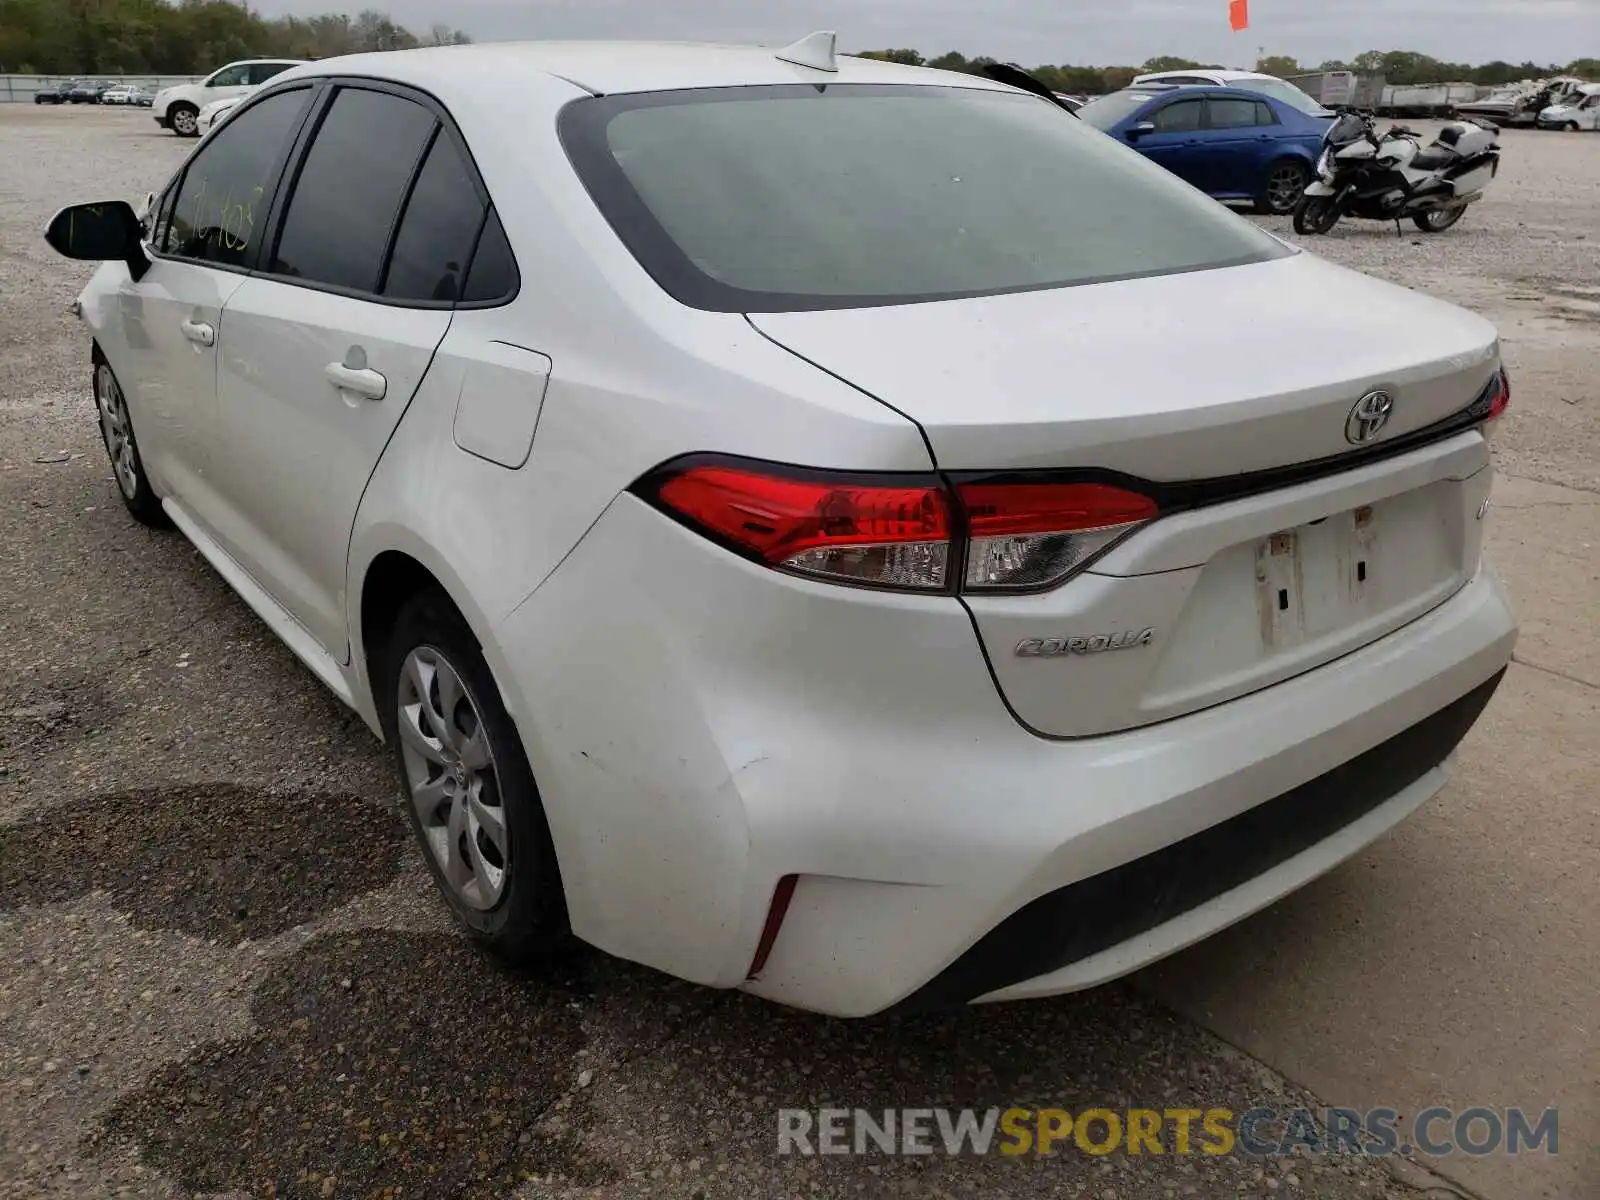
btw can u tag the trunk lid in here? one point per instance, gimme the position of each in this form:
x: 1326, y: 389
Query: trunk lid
x: 1195, y: 377
x: 1173, y: 377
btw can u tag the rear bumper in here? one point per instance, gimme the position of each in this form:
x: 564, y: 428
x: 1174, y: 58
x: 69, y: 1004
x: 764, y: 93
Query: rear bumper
x: 701, y: 728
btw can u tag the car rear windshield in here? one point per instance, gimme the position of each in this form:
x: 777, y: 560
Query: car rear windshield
x: 786, y: 198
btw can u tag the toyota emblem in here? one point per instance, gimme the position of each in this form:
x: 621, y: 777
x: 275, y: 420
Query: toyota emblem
x: 1368, y: 418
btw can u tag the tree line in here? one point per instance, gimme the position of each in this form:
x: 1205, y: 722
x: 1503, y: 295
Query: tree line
x: 189, y: 37
x: 1397, y: 66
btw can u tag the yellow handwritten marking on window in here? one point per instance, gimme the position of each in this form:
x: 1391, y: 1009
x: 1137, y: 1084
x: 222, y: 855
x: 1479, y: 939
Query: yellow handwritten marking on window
x: 235, y: 222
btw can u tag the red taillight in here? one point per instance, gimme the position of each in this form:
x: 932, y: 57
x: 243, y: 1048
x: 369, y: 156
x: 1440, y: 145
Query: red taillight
x: 891, y: 534
x: 1033, y: 535
x: 903, y: 532
x: 1500, y: 398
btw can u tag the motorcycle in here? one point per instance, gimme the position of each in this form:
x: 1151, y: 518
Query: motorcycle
x: 1386, y: 178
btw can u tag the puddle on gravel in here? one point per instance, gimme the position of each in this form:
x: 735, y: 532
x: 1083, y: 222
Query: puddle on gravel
x: 383, y: 1064
x: 213, y: 861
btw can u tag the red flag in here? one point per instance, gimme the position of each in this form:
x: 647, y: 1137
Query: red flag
x: 1239, y: 14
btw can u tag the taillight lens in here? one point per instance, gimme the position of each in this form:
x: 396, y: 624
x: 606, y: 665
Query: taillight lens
x: 902, y: 532
x: 889, y: 534
x: 1499, y: 401
x: 1500, y: 398
x: 1033, y: 535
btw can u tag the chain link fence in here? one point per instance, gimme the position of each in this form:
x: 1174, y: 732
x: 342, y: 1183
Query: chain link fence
x: 21, y: 89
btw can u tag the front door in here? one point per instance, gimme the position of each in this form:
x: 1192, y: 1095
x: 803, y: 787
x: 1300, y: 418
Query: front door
x: 1175, y: 141
x: 328, y: 344
x: 199, y: 236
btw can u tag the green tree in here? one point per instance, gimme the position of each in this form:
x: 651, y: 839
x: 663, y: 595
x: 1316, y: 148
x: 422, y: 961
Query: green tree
x: 1165, y: 62
x: 1280, y: 65
x: 909, y: 58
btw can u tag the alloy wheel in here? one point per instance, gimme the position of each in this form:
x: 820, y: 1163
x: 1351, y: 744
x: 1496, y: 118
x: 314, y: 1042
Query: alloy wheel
x: 185, y: 122
x: 117, y: 430
x: 1284, y: 186
x: 450, y: 770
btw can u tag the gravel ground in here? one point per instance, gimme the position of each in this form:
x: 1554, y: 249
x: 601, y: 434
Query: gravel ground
x: 226, y: 972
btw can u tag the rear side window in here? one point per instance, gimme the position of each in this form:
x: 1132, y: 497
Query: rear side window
x: 440, y: 225
x: 222, y: 202
x: 494, y: 270
x: 351, y: 184
x: 1182, y: 117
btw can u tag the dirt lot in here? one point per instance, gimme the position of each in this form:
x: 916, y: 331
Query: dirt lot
x: 226, y: 972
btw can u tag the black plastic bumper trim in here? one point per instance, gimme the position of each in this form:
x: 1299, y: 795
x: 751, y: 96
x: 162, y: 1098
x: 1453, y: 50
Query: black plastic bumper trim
x: 1072, y: 923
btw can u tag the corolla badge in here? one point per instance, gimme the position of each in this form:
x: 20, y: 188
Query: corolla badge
x: 1098, y: 644
x: 1368, y: 417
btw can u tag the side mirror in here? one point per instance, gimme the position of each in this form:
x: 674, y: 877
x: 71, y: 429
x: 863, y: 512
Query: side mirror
x: 106, y: 232
x: 1139, y: 130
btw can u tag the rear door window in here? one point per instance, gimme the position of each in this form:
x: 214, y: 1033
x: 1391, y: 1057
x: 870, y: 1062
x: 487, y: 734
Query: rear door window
x: 352, y: 182
x: 1228, y: 113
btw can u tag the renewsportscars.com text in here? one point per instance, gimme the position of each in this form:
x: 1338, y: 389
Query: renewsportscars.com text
x: 1258, y: 1132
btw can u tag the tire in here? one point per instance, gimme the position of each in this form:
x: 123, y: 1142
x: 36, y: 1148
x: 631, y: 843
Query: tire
x: 1315, y: 215
x: 1572, y: 127
x: 116, y: 433
x: 453, y: 790
x: 1283, y: 187
x: 1439, y: 219
x: 183, y: 120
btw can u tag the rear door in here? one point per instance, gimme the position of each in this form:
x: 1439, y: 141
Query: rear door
x: 329, y: 342
x: 1238, y: 142
x: 1175, y: 144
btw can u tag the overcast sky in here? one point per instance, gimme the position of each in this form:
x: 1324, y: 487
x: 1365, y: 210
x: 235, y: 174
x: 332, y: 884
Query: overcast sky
x: 1079, y: 32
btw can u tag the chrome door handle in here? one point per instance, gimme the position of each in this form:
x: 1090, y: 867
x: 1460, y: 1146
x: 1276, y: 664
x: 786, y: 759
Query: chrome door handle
x: 363, y: 381
x: 200, y: 333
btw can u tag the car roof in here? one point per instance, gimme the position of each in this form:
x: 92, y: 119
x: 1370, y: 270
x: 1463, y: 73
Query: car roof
x: 1209, y: 72
x: 607, y: 68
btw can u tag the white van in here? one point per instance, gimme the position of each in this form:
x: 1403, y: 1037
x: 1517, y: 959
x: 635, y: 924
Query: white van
x: 178, y: 108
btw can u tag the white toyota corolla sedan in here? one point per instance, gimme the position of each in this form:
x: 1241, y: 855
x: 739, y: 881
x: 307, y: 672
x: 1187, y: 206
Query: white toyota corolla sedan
x: 810, y: 525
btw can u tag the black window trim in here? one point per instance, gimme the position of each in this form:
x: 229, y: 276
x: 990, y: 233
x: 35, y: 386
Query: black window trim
x: 286, y: 173
x: 275, y: 175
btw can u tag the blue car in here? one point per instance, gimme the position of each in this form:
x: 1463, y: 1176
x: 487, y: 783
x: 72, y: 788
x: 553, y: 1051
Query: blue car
x: 1230, y: 143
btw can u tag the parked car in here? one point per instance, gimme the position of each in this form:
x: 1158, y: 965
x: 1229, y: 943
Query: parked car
x: 126, y: 94
x: 214, y: 112
x: 809, y: 524
x: 88, y: 91
x: 1266, y: 85
x: 55, y: 93
x: 1071, y: 103
x: 178, y: 108
x: 1581, y: 111
x: 1231, y: 144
